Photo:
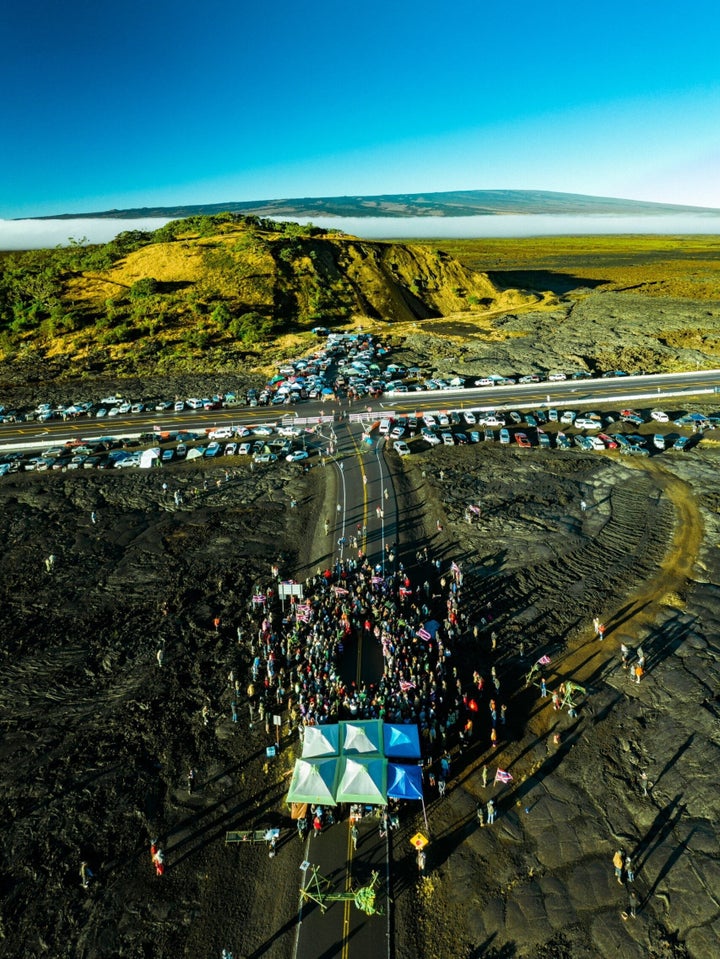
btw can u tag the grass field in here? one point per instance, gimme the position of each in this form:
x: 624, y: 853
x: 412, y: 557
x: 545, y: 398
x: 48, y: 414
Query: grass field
x: 674, y: 266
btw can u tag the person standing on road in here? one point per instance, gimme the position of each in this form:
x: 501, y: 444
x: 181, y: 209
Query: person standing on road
x: 354, y: 836
x: 421, y: 860
x: 629, y: 870
x: 490, y: 812
x: 618, y: 863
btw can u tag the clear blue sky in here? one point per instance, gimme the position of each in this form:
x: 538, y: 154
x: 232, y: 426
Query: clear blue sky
x: 149, y: 102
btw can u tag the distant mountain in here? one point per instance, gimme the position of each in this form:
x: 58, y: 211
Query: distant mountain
x: 450, y: 204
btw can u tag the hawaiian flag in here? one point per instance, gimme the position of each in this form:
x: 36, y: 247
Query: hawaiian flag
x: 502, y: 777
x: 543, y: 661
x: 423, y: 634
x: 258, y: 598
x: 405, y: 685
x: 303, y: 613
x: 340, y: 591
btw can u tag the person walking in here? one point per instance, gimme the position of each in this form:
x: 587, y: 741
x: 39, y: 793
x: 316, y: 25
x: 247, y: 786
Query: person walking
x: 317, y: 826
x: 441, y: 788
x: 633, y: 903
x: 480, y: 814
x: 354, y: 836
x: 86, y: 874
x: 421, y: 860
x: 191, y: 781
x: 543, y: 687
x: 583, y: 505
x: 490, y: 812
x: 629, y: 870
x: 624, y: 655
x: 618, y: 863
x: 638, y: 671
x: 485, y: 777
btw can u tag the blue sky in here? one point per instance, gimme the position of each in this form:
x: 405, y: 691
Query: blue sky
x: 154, y: 103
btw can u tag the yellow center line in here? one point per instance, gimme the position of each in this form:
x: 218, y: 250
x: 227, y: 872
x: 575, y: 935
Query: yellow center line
x: 347, y: 905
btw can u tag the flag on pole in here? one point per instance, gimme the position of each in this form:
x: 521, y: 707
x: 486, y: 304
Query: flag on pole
x: 405, y: 686
x: 543, y: 661
x: 454, y: 567
x: 423, y: 634
x: 502, y: 777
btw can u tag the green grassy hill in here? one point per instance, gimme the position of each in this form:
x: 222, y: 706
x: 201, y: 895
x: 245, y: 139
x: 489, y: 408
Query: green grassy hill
x: 206, y: 292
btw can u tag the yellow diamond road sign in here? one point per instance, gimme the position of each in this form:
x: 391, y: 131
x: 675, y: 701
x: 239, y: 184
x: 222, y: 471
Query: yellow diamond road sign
x: 419, y: 841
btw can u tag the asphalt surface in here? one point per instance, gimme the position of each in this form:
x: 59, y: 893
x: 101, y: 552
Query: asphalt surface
x: 580, y: 393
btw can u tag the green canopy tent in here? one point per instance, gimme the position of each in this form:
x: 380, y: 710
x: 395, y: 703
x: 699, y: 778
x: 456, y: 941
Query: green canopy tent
x: 321, y: 741
x: 314, y: 781
x: 362, y: 737
x: 362, y: 781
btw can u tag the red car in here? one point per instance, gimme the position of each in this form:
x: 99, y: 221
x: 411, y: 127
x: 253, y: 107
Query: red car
x: 609, y: 442
x: 522, y: 440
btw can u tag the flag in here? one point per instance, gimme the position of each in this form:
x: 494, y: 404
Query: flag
x: 454, y: 567
x: 258, y: 598
x: 340, y: 591
x: 405, y: 686
x: 502, y: 777
x: 543, y: 661
x: 423, y: 634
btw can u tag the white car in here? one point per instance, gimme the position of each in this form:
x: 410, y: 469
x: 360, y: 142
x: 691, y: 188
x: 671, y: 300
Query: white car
x: 244, y: 449
x: 432, y: 438
x: 263, y: 431
x: 179, y: 406
x: 296, y: 456
x: 221, y: 433
x: 469, y: 417
x: 429, y: 420
x: 193, y: 403
x: 557, y: 377
x: 660, y: 416
x: 289, y: 431
x: 494, y: 420
x: 401, y: 448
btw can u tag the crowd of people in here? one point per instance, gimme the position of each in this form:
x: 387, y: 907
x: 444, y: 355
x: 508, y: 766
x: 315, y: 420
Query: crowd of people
x: 418, y: 626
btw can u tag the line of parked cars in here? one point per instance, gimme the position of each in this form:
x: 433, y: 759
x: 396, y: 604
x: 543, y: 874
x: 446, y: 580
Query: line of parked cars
x: 458, y: 427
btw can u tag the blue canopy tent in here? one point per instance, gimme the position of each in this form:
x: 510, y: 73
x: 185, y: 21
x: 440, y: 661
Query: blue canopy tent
x: 404, y: 782
x: 401, y: 741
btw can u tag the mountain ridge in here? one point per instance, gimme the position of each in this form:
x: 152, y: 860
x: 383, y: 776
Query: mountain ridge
x: 456, y: 203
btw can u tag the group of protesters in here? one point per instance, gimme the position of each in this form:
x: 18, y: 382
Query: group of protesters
x: 418, y: 625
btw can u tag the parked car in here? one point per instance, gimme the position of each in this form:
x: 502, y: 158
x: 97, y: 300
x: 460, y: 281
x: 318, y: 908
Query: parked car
x: 265, y: 457
x: 660, y: 416
x: 213, y: 449
x: 681, y: 443
x: 522, y: 440
x: 505, y: 436
x: 448, y: 439
x: 469, y: 417
x: 429, y: 436
x: 659, y: 441
x: 296, y: 456
x: 401, y: 448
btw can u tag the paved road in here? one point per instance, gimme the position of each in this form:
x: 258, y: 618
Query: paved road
x: 583, y: 393
x: 343, y: 930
